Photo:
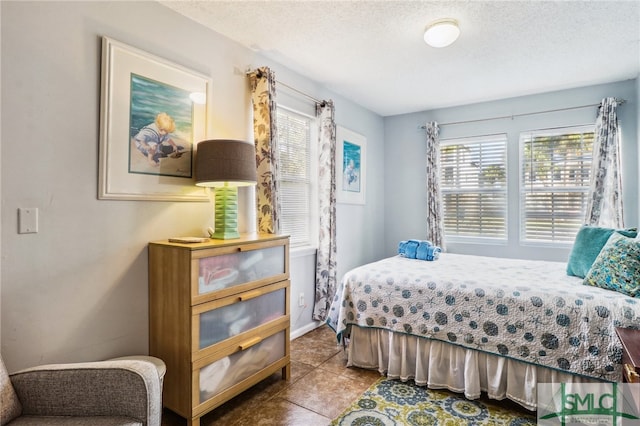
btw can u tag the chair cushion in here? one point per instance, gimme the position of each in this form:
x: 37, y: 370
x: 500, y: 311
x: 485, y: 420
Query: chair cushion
x: 73, y: 421
x: 10, y: 406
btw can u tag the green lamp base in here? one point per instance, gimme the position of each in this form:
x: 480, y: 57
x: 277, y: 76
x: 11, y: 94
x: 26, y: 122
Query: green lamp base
x: 226, y: 213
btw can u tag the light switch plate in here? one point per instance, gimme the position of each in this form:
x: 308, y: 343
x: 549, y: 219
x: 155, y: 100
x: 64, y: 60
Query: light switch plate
x: 28, y: 220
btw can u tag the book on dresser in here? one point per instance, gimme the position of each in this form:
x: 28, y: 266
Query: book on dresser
x: 219, y: 317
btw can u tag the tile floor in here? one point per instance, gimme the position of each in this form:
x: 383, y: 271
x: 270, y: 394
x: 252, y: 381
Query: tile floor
x: 321, y: 387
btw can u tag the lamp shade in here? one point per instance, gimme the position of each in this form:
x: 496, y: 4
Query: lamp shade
x: 225, y: 161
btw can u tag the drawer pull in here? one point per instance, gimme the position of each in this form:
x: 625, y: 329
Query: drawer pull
x: 250, y: 295
x: 250, y: 342
x: 631, y: 374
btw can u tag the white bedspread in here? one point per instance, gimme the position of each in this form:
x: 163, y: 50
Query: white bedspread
x: 530, y: 311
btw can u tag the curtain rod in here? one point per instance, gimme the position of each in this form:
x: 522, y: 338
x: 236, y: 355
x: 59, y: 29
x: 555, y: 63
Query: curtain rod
x: 300, y: 92
x: 512, y: 116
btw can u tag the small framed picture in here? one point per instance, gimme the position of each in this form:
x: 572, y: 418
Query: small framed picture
x: 153, y: 113
x: 351, y: 153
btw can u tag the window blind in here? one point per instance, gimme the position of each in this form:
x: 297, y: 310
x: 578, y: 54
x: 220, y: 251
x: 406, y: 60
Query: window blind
x: 294, y: 144
x: 474, y: 186
x: 555, y: 171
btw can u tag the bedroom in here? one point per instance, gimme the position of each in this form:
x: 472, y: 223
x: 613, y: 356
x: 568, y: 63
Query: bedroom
x: 77, y: 289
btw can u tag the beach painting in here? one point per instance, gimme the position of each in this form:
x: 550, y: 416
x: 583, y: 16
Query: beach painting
x: 350, y: 164
x: 161, y: 129
x: 153, y: 113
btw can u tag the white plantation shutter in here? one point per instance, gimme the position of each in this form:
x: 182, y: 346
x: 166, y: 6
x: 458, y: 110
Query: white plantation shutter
x: 296, y: 179
x: 555, y: 168
x: 474, y: 186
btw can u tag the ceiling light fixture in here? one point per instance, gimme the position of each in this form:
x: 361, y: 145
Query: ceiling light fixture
x: 441, y: 33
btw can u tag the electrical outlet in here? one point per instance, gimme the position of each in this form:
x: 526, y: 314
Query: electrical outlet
x: 301, y: 300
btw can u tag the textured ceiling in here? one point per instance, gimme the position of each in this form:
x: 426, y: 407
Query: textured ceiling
x: 372, y: 52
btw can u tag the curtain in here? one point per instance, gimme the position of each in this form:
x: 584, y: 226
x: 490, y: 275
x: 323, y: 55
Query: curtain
x: 604, y: 200
x: 263, y: 98
x: 326, y: 256
x: 435, y: 225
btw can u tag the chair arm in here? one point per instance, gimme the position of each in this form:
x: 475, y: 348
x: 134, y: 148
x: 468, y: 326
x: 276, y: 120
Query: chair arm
x: 105, y: 388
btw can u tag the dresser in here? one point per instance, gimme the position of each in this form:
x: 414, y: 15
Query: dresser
x: 630, y: 340
x: 219, y: 317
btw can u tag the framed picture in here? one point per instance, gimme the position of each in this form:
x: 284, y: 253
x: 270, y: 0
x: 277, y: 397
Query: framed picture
x: 351, y: 152
x: 153, y: 113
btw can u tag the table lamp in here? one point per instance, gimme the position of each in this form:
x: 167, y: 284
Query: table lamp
x: 223, y: 165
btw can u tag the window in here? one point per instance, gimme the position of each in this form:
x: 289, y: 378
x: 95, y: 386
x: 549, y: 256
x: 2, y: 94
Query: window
x: 555, y: 168
x: 298, y: 167
x: 474, y: 186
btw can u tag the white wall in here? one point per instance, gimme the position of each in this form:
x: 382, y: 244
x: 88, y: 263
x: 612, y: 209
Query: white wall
x: 77, y: 290
x: 405, y: 147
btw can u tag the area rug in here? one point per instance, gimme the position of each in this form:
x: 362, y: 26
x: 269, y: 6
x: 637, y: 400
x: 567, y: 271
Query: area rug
x: 392, y: 402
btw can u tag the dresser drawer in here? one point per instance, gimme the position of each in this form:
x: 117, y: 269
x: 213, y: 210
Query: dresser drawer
x: 226, y: 271
x: 216, y: 321
x: 243, y: 361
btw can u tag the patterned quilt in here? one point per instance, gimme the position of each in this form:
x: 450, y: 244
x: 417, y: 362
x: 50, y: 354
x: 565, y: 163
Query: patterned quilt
x: 526, y: 310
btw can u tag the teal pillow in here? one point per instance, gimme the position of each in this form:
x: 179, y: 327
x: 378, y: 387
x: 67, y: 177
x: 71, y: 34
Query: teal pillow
x: 589, y: 241
x: 617, y: 267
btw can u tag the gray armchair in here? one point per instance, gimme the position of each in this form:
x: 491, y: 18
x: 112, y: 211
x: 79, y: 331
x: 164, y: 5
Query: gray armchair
x: 119, y: 392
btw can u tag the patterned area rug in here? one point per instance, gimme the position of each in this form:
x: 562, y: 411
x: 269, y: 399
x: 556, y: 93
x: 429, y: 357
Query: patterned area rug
x: 392, y: 402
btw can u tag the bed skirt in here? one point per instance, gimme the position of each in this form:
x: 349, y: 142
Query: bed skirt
x: 440, y: 365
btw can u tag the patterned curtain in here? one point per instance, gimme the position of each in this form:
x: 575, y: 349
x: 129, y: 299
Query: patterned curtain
x: 263, y: 98
x: 435, y: 220
x: 604, y: 202
x: 326, y: 257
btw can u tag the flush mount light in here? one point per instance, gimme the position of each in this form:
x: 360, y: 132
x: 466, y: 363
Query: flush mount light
x: 442, y: 33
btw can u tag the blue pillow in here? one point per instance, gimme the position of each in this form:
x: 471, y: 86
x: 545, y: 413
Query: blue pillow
x: 617, y: 267
x: 589, y: 241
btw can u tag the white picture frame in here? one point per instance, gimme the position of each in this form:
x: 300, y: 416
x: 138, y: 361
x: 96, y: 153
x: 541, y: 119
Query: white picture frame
x: 135, y: 88
x: 351, y: 166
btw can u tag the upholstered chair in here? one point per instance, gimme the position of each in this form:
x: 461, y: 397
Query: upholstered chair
x: 119, y: 392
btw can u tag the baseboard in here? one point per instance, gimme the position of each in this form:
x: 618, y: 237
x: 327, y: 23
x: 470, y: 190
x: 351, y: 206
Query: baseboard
x: 307, y: 328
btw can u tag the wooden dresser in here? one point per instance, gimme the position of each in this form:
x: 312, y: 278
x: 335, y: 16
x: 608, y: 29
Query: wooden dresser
x: 630, y: 340
x: 219, y: 317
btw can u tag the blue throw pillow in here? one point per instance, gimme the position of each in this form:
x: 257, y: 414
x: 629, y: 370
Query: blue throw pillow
x: 589, y: 241
x: 617, y: 267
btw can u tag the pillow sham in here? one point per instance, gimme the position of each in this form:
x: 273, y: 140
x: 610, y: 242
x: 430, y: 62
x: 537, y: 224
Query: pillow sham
x: 588, y: 243
x: 617, y: 267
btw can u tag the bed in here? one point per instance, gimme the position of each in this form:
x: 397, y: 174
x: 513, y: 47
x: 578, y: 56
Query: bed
x: 476, y: 324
